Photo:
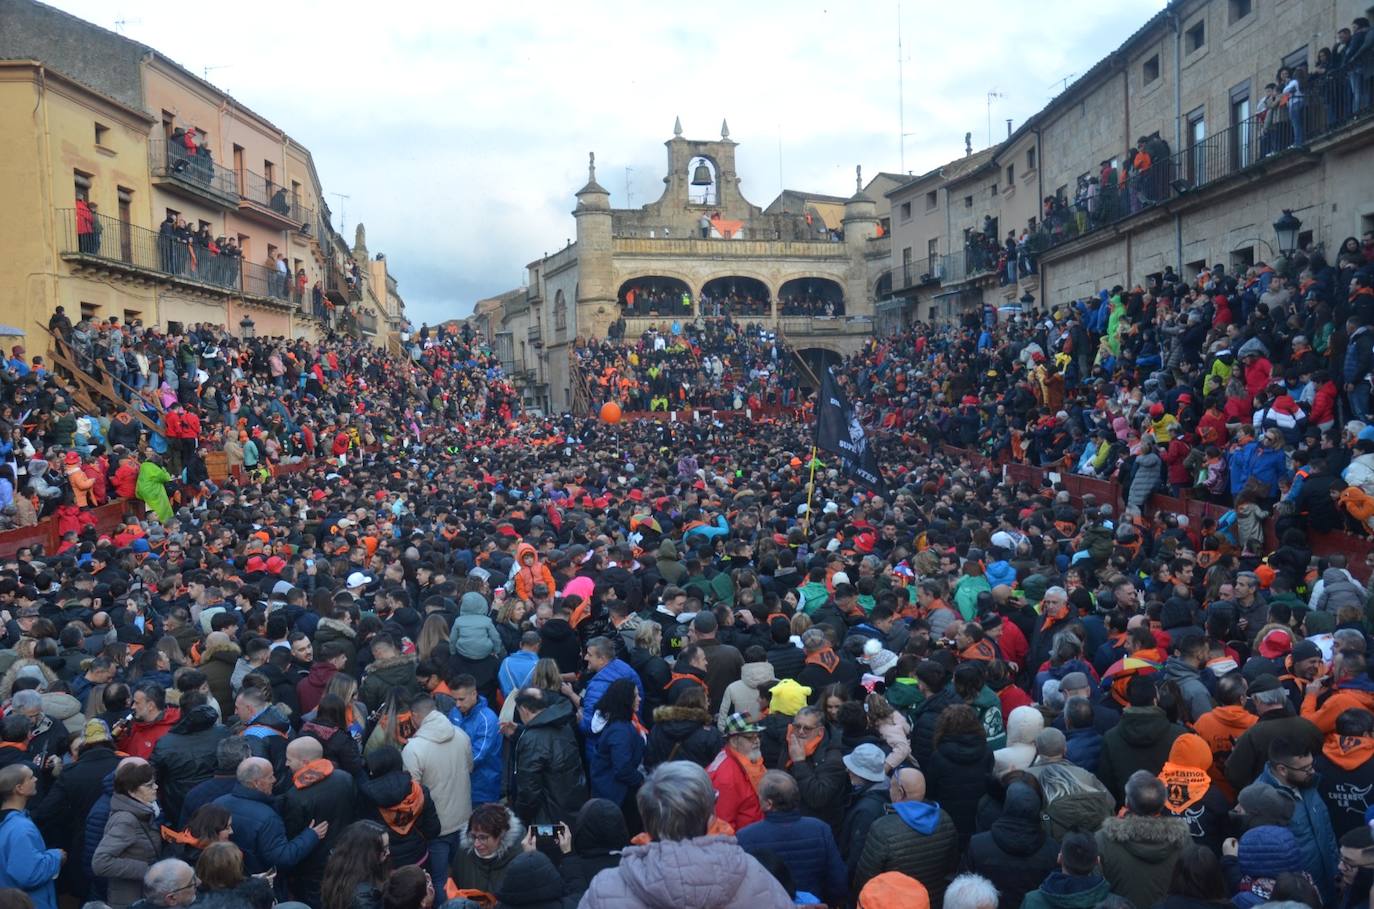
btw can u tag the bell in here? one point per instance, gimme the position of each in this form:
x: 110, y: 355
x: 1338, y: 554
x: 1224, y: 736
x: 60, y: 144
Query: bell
x: 702, y: 175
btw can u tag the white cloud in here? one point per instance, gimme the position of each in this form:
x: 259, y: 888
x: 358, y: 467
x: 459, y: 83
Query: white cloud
x: 460, y: 131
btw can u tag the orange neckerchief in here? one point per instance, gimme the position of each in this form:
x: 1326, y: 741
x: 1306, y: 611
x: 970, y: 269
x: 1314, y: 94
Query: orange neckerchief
x: 312, y: 773
x: 825, y: 658
x: 402, y: 816
x: 753, y: 767
x: 810, y: 746
x: 182, y: 837
x: 980, y: 650
x: 716, y: 827
x: 482, y: 898
x: 1348, y: 751
x: 580, y: 614
x: 680, y: 676
x: 1185, y: 786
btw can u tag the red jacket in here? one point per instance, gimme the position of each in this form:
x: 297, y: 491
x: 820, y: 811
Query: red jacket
x: 141, y: 737
x: 1323, y: 405
x: 126, y: 479
x: 72, y: 518
x: 1257, y: 376
x: 736, y: 802
x: 172, y: 421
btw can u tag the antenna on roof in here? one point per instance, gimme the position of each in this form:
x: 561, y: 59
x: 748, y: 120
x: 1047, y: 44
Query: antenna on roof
x: 207, y: 70
x: 121, y: 22
x: 992, y: 94
x: 343, y: 220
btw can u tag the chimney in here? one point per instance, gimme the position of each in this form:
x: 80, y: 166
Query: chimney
x: 968, y: 144
x: 1009, y: 127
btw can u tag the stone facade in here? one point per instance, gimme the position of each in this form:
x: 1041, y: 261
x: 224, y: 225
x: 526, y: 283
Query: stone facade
x: 1191, y: 75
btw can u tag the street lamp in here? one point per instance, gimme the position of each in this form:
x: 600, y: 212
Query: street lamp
x: 1286, y: 229
x: 247, y: 328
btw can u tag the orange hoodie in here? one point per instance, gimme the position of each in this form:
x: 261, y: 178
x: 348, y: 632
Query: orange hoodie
x: 1186, y: 774
x: 1339, y: 701
x: 1348, y: 751
x: 1219, y: 728
x: 531, y: 572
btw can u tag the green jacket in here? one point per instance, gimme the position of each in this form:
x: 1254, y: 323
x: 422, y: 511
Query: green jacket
x: 1065, y: 891
x: 151, y: 488
x: 988, y: 706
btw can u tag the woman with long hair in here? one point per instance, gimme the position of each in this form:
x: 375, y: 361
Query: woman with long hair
x: 223, y: 885
x: 358, y: 867
x: 330, y: 726
x: 959, y: 766
x: 545, y: 675
x: 616, y: 758
x: 209, y: 825
x: 510, y: 614
x: 433, y: 636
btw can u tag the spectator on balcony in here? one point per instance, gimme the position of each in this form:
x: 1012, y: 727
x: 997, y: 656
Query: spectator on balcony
x: 87, y: 227
x: 1291, y: 95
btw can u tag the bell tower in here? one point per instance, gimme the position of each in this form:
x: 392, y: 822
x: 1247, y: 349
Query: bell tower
x: 690, y: 161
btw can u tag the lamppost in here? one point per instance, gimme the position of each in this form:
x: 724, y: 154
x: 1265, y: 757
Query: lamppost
x: 1286, y: 229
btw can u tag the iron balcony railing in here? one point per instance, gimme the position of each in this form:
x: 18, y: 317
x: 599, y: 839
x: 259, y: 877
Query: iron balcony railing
x: 264, y: 192
x: 199, y: 172
x: 967, y: 263
x: 1326, y: 107
x: 101, y: 237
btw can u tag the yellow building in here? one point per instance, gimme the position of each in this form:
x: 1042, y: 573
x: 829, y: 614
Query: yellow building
x: 61, y: 142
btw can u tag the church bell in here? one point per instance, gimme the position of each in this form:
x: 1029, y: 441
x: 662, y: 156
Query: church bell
x: 702, y: 175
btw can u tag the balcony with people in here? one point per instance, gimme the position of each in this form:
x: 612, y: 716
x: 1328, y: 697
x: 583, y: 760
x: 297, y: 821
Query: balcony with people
x: 270, y: 203
x: 656, y: 295
x: 182, y: 163
x: 172, y: 252
x: 1302, y: 108
x: 735, y: 297
x: 816, y: 298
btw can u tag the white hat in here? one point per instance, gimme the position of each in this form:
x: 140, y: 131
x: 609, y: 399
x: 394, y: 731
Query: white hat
x: 358, y: 579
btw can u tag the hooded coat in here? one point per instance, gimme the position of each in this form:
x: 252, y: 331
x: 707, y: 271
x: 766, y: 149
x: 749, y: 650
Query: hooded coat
x: 439, y: 755
x: 1141, y: 741
x: 669, y: 566
x: 1138, y: 855
x: 956, y: 779
x: 130, y: 846
x: 682, y: 733
x: 474, y: 635
x: 548, y: 784
x: 185, y: 757
x: 704, y: 872
x: 1068, y: 891
x: 218, y: 665
x: 24, y: 863
x: 916, y: 838
x: 1015, y: 855
x: 406, y: 809
x: 386, y: 674
x: 471, y: 871
x: 1345, y: 779
x: 532, y: 571
x: 599, y: 838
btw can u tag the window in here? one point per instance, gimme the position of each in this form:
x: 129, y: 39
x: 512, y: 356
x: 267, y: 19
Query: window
x: 1197, y: 147
x: 1030, y: 158
x: 243, y: 245
x: 933, y: 248
x: 932, y: 200
x: 203, y: 225
x: 82, y: 182
x: 1195, y: 38
x: 906, y: 211
x: 1296, y: 59
x: 101, y: 131
x: 1237, y: 10
x: 133, y: 316
x: 267, y: 169
x: 993, y: 191
x: 1241, y: 259
x: 1305, y: 239
x: 1011, y: 174
x: 560, y: 312
x: 1149, y: 70
x: 968, y: 201
x: 174, y: 328
x: 126, y: 217
x: 90, y: 311
x: 1242, y: 128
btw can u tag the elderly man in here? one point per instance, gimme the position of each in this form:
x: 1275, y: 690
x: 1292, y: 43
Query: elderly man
x: 681, y: 865
x: 1054, y: 607
x: 736, y: 772
x: 319, y: 790
x: 816, y: 759
x: 971, y: 891
x: 258, y: 829
x: 915, y: 837
x: 167, y: 884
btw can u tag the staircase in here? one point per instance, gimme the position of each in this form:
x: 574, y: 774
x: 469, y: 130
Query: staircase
x: 85, y: 389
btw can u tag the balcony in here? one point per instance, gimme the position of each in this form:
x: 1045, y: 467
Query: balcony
x: 732, y: 249
x: 117, y: 247
x: 196, y: 177
x: 269, y: 203
x: 966, y: 265
x: 339, y: 288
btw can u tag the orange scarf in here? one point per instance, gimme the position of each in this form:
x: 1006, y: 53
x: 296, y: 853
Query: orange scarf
x: 402, y: 816
x: 980, y: 650
x: 810, y: 746
x: 312, y: 773
x: 182, y: 837
x: 753, y: 767
x: 824, y: 658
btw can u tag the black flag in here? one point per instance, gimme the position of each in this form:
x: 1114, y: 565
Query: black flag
x: 839, y: 432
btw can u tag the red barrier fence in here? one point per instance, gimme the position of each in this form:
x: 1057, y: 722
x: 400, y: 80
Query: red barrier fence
x: 1108, y: 492
x: 107, y: 517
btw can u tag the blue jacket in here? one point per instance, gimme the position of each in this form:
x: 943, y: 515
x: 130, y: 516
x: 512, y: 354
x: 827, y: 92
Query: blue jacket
x: 1268, y: 465
x: 1084, y: 748
x: 612, y: 672
x: 614, y: 762
x: 718, y: 528
x: 806, y: 846
x: 515, y: 670
x: 484, y: 730
x: 261, y: 834
x: 24, y: 863
x: 1311, y: 827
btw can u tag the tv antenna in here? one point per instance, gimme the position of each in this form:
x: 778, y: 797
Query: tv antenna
x: 1063, y: 82
x: 205, y: 71
x: 343, y: 201
x: 992, y: 94
x: 901, y: 90
x: 121, y: 23
x: 629, y: 196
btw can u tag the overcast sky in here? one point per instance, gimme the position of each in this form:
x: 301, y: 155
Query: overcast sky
x: 460, y: 131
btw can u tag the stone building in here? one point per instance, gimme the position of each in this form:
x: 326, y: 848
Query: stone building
x: 700, y: 251
x: 106, y: 139
x: 1191, y: 81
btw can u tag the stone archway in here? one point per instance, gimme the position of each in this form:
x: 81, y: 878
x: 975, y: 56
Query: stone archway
x: 655, y: 295
x: 811, y: 296
x: 736, y: 296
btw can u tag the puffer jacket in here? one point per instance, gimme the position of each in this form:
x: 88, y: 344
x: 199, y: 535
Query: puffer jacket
x: 406, y: 809
x: 682, y: 734
x: 66, y: 710
x: 384, y: 675
x: 1338, y: 591
x: 1311, y: 825
x: 705, y: 872
x: 742, y: 696
x: 1262, y: 855
x: 806, y: 846
x: 130, y: 846
x: 218, y: 665
x: 923, y: 732
x: 916, y: 838
x: 957, y: 778
x: 1195, y: 694
x: 185, y: 757
x: 548, y: 784
x: 471, y: 871
x: 439, y: 755
x: 339, y: 632
x: 1138, y: 855
x: 473, y: 635
x: 1015, y: 854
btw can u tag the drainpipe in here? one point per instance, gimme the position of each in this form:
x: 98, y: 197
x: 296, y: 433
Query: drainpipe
x: 1039, y: 200
x: 1177, y: 22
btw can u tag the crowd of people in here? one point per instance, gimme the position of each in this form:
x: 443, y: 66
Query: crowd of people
x: 459, y: 655
x: 716, y: 364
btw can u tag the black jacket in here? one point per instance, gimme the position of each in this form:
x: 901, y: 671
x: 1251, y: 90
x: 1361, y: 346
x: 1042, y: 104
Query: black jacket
x: 923, y: 734
x: 598, y: 839
x: 185, y: 757
x: 866, y: 805
x: 655, y: 673
x: 339, y: 747
x: 957, y: 777
x: 823, y: 782
x: 61, y: 814
x: 316, y: 796
x: 1015, y: 854
x: 787, y: 660
x: 682, y: 734
x: 410, y: 830
x: 548, y: 784
x: 559, y: 642
x: 1141, y: 741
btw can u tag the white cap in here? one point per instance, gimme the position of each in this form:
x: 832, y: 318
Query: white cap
x: 358, y: 579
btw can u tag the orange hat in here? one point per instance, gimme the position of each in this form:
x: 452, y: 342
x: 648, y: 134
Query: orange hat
x: 1265, y: 575
x: 894, y: 890
x: 1190, y: 750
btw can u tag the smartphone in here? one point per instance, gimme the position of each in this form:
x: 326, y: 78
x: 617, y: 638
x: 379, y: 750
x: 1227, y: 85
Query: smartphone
x: 546, y: 835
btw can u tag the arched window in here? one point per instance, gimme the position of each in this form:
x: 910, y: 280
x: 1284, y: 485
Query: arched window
x: 560, y: 312
x: 811, y: 297
x: 655, y: 295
